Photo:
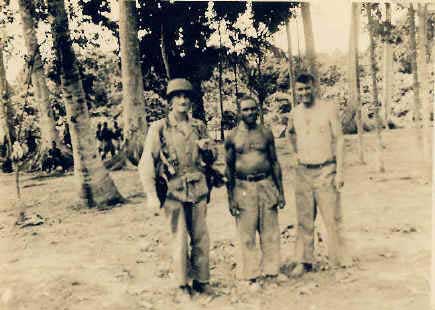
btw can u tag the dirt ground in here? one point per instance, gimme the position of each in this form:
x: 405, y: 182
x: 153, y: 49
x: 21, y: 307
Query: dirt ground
x: 120, y: 259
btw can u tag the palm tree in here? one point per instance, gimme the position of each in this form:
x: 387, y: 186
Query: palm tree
x: 6, y: 127
x: 96, y: 187
x: 376, y: 103
x: 424, y: 78
x: 133, y: 100
x: 388, y: 68
x: 291, y: 70
x: 416, y: 82
x: 310, y: 51
x: 47, y: 124
x: 354, y: 80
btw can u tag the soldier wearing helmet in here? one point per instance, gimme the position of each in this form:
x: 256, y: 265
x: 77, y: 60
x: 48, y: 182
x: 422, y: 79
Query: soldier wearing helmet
x: 172, y: 169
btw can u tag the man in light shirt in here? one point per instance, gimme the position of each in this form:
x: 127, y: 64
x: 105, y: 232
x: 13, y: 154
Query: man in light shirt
x: 317, y: 140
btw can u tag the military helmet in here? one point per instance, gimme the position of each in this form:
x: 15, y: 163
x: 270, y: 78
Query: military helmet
x: 177, y: 85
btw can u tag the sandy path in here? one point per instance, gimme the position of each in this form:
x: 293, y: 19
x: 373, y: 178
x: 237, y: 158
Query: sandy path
x: 119, y: 259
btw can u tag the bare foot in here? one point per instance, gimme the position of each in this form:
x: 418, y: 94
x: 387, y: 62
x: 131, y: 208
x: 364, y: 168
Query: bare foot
x: 298, y: 271
x: 344, y: 261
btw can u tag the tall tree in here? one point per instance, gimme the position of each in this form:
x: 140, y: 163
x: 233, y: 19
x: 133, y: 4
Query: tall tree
x: 291, y: 70
x: 133, y: 100
x: 424, y: 78
x: 236, y: 87
x: 7, y: 110
x: 47, y: 124
x: 310, y: 51
x: 221, y: 104
x: 263, y: 21
x: 6, y: 125
x: 388, y: 67
x: 354, y: 79
x: 376, y: 103
x: 163, y: 48
x: 96, y: 187
x: 416, y: 82
x: 186, y: 35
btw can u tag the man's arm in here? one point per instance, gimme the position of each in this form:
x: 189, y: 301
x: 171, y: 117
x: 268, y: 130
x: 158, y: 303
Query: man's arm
x: 276, y: 167
x: 292, y: 137
x: 337, y: 134
x: 208, y: 148
x: 230, y: 172
x: 146, y: 168
x: 230, y: 167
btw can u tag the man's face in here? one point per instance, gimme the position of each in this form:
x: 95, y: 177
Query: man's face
x: 249, y: 111
x: 305, y: 93
x: 181, y: 102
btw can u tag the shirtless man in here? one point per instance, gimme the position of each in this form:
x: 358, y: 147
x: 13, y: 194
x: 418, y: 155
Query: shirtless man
x: 255, y: 191
x: 318, y: 143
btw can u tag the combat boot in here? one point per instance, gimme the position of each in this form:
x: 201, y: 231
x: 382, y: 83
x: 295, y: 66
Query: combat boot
x: 183, y: 293
x: 202, y: 288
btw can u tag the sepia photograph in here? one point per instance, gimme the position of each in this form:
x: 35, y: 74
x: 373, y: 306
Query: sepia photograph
x: 223, y: 155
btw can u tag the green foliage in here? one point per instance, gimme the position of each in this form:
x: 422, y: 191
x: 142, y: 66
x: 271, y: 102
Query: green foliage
x: 183, y: 25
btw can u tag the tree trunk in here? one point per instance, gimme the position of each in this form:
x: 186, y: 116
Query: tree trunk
x: 133, y: 100
x: 388, y: 69
x: 354, y: 80
x: 236, y: 87
x: 261, y: 96
x: 47, y: 125
x: 379, y: 144
x: 310, y: 51
x: 424, y: 78
x: 163, y: 48
x: 5, y: 122
x: 221, y: 105
x: 96, y: 187
x: 291, y: 71
x: 198, y: 110
x: 416, y: 83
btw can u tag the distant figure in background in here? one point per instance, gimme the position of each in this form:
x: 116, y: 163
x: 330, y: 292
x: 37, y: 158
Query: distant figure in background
x: 17, y: 151
x: 67, y: 137
x: 107, y: 135
x: 117, y: 136
x: 54, y: 158
x: 30, y: 141
x: 5, y: 154
x: 4, y: 148
x: 99, y: 139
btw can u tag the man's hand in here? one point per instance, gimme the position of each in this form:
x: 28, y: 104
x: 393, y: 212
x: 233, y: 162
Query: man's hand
x: 281, y: 201
x: 294, y: 160
x: 339, y: 181
x: 234, y: 208
x: 153, y: 204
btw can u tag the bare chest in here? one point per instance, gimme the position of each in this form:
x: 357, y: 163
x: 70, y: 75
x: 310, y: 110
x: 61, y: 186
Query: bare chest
x: 250, y: 141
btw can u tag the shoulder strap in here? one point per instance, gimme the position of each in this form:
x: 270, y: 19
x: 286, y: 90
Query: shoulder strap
x: 169, y: 157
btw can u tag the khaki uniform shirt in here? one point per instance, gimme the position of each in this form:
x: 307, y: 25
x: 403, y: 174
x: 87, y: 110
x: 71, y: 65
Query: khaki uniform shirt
x: 188, y: 184
x: 314, y: 131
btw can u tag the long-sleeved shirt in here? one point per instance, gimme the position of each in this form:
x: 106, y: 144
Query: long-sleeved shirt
x: 181, y: 151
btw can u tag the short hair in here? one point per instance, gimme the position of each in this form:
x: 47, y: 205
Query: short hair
x: 248, y: 97
x: 305, y: 78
